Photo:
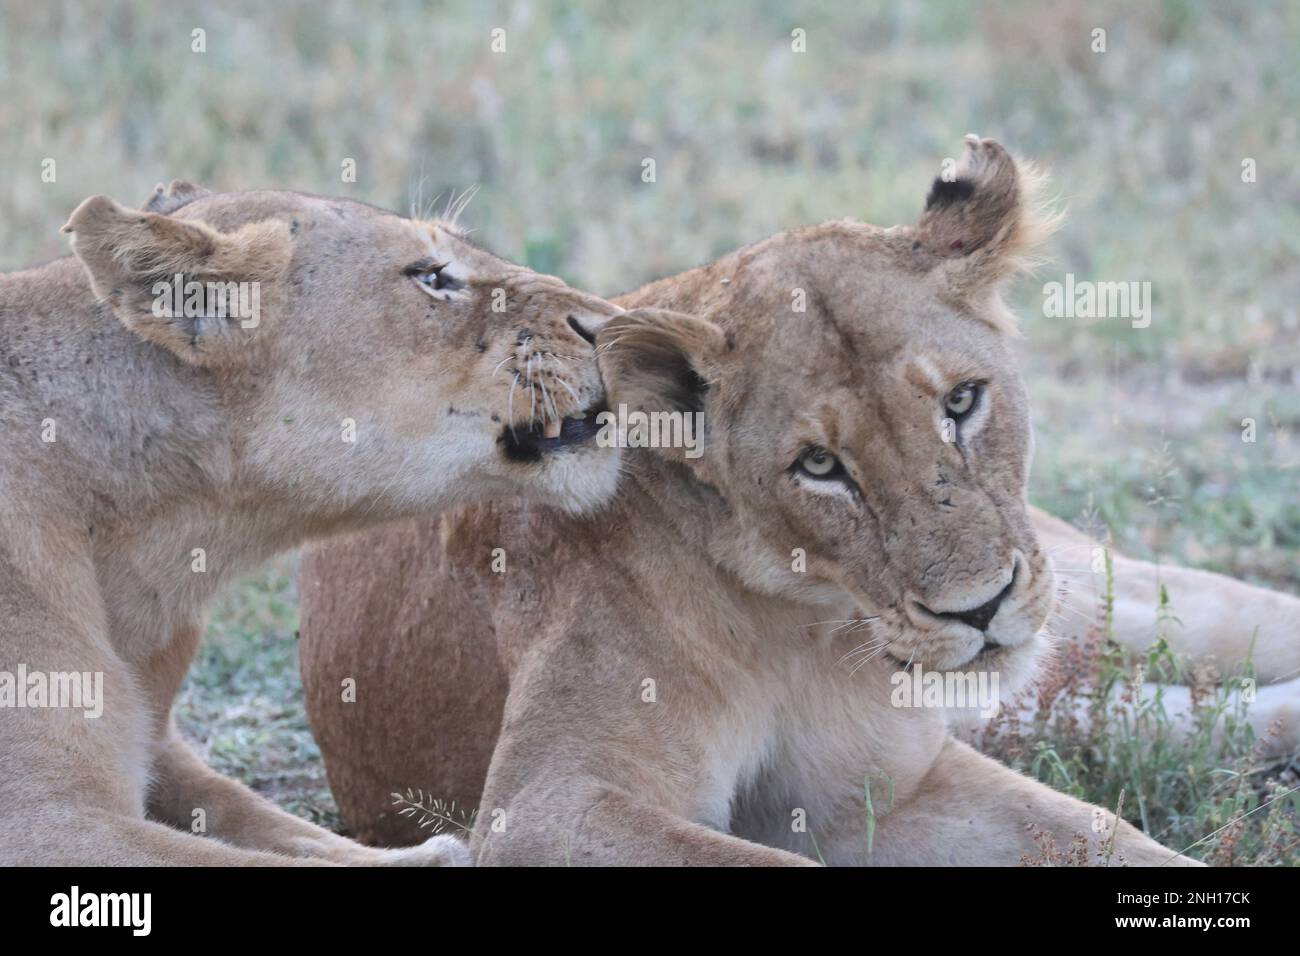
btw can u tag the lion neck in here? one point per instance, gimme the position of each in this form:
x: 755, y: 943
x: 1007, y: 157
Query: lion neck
x: 124, y: 467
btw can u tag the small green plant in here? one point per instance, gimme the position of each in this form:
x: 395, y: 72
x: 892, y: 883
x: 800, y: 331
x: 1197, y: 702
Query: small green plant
x: 871, y: 807
x: 433, y: 814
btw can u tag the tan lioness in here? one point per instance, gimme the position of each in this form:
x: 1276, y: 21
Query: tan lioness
x: 689, y: 676
x: 209, y: 381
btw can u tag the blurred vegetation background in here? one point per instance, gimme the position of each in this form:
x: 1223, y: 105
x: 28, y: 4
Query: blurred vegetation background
x: 1139, y: 430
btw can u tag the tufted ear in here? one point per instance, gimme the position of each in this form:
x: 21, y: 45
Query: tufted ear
x: 984, y: 221
x: 181, y: 284
x: 165, y: 200
x: 654, y: 361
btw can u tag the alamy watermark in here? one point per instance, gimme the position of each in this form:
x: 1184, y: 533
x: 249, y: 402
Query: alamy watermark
x: 133, y: 911
x: 1073, y: 299
x: 636, y: 429
x: 76, y: 690
x: 219, y: 300
x: 958, y: 690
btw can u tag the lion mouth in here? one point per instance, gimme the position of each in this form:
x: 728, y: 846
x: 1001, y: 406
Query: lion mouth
x: 532, y: 441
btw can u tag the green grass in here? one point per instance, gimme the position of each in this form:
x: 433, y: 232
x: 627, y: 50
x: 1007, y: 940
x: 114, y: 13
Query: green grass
x: 1137, y: 429
x: 242, y: 703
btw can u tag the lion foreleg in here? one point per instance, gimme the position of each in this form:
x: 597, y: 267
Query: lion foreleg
x: 1210, y: 620
x: 600, y: 825
x: 970, y: 810
x: 188, y: 794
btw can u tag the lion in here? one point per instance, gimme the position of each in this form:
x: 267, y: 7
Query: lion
x: 704, y: 671
x: 208, y: 381
x: 1219, y: 630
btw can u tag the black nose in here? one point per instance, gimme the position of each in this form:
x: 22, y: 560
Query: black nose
x: 582, y: 330
x: 980, y: 617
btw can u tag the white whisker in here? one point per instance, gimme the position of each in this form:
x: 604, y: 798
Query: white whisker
x: 548, y: 403
x: 532, y: 390
x: 510, y: 405
x: 1084, y: 615
x: 864, y: 648
x: 570, y: 391
x: 870, y: 657
x: 851, y: 620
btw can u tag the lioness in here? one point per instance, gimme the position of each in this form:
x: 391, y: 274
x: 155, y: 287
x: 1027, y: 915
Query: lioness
x: 687, y: 676
x: 153, y: 445
x: 698, y: 684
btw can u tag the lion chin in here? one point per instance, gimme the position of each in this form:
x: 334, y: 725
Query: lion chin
x: 977, y: 689
x: 578, y: 480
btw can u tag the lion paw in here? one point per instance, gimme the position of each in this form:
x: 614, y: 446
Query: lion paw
x: 435, y: 851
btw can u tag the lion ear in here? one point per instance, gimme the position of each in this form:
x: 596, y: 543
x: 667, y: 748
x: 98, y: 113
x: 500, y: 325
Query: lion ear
x: 984, y: 220
x: 181, y: 284
x: 654, y: 360
x: 165, y: 200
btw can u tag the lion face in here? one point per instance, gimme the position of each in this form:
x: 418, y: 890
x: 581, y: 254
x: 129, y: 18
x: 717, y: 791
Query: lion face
x: 868, y: 433
x: 392, y: 367
x: 898, y: 469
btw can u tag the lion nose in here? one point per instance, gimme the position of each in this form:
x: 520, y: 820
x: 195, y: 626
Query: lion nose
x: 980, y: 617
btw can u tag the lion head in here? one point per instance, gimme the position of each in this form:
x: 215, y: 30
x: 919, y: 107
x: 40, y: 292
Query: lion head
x: 867, y: 431
x: 365, y: 363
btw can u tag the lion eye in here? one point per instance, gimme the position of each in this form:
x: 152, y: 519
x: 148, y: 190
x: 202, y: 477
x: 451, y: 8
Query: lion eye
x: 438, y: 279
x: 819, y: 463
x: 961, y: 400
x: 434, y: 275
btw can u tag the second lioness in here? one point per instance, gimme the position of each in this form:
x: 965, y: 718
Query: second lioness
x: 153, y: 446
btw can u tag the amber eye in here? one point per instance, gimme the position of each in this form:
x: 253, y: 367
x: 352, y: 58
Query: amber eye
x: 962, y: 400
x: 817, y: 462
